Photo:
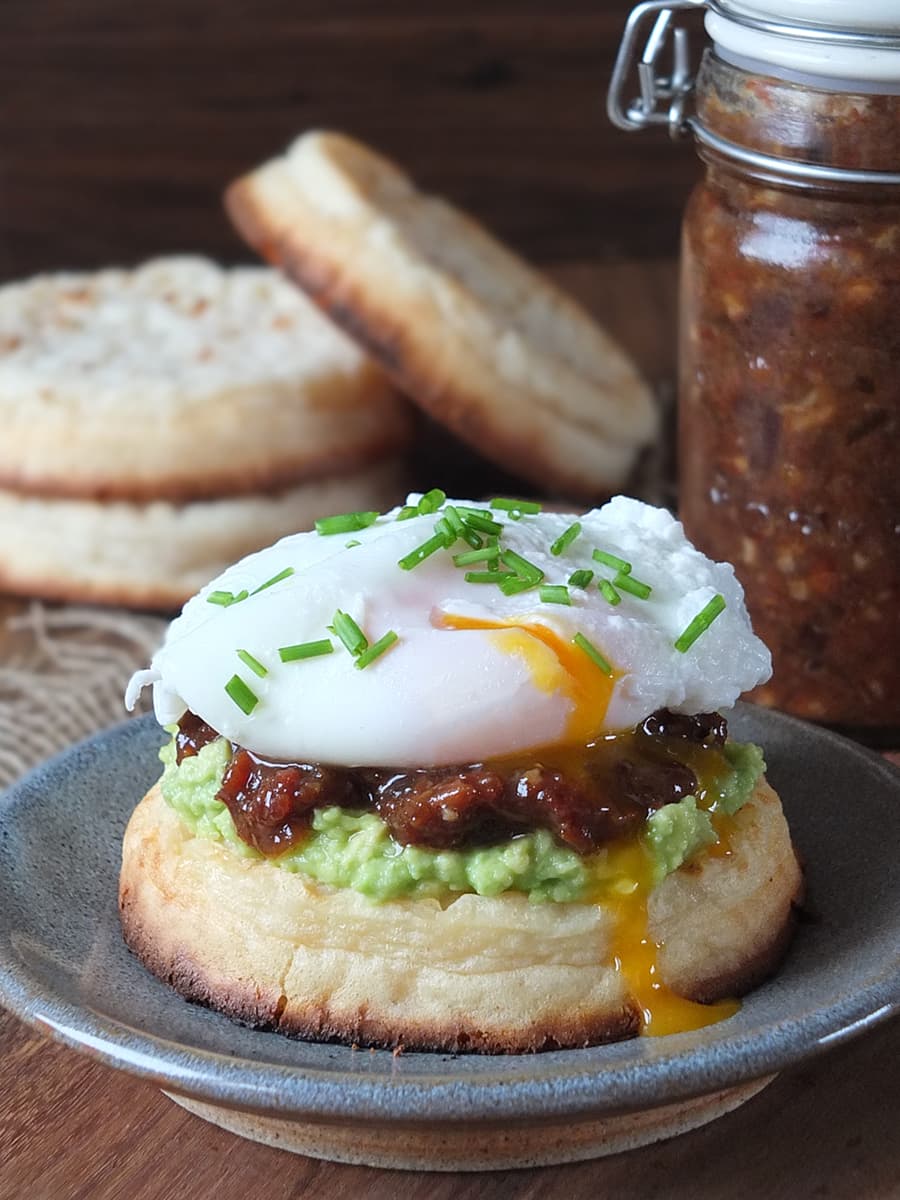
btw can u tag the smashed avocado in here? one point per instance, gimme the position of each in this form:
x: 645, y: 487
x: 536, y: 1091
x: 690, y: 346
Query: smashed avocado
x: 675, y: 833
x: 347, y: 848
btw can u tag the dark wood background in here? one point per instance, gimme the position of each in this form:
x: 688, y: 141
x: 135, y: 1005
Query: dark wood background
x: 121, y: 122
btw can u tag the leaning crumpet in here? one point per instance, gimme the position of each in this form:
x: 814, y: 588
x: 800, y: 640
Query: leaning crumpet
x: 478, y: 338
x: 181, y: 380
x: 456, y: 777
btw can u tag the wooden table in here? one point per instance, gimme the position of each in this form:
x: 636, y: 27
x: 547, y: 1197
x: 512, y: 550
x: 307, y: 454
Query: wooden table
x: 71, y: 1129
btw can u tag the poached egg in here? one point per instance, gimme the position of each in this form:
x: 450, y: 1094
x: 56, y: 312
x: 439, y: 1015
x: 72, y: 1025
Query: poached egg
x: 473, y: 673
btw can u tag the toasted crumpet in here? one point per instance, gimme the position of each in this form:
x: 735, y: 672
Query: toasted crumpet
x: 496, y: 975
x: 182, y: 380
x: 482, y: 341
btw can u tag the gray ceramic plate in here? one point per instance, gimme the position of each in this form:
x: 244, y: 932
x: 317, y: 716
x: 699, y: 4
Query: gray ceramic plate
x: 63, y: 966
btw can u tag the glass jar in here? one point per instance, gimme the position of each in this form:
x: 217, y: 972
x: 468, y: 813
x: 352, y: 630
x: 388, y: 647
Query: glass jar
x: 789, y: 356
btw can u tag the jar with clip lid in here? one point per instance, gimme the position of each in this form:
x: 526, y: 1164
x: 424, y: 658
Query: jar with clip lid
x: 789, y: 345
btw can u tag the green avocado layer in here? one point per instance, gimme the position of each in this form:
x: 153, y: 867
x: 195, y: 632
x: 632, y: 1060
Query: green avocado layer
x: 354, y: 849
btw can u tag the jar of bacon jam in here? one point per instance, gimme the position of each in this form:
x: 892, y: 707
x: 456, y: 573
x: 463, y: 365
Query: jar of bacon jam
x: 789, y: 362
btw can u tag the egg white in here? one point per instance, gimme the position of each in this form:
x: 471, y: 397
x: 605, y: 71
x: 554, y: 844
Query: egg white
x: 442, y: 695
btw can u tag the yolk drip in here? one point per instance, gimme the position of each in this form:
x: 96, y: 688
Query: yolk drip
x: 636, y: 955
x: 722, y: 827
x: 556, y: 666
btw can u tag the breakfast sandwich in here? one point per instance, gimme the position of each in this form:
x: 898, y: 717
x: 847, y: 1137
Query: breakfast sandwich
x: 458, y: 777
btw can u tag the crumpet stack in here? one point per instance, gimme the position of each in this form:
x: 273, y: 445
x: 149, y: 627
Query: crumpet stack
x: 480, y: 340
x: 161, y: 422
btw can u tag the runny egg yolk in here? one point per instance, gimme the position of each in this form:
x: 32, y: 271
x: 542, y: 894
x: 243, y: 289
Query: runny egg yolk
x: 557, y: 665
x: 636, y: 954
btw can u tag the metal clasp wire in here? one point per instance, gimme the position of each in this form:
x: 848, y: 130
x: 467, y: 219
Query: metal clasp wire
x: 663, y: 97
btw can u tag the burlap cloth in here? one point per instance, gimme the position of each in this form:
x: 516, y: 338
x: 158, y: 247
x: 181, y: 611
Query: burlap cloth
x: 62, y: 674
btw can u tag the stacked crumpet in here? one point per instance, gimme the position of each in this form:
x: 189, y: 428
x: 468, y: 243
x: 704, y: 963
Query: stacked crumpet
x: 159, y: 423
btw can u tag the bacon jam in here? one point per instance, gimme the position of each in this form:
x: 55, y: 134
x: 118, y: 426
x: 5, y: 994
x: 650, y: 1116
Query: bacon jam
x: 585, y: 797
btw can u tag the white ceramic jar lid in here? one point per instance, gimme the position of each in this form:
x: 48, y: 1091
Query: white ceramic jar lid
x: 844, y: 40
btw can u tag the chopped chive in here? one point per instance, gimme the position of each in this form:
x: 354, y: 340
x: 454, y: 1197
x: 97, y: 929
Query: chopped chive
x: 241, y: 694
x: 253, y: 663
x: 609, y: 592
x: 555, y: 593
x: 522, y: 507
x: 700, y: 623
x: 581, y: 579
x: 407, y: 511
x: 285, y: 574
x: 522, y: 567
x: 438, y: 542
x: 484, y: 523
x: 431, y: 502
x: 483, y: 554
x: 375, y: 650
x: 487, y: 576
x: 592, y: 652
x: 453, y: 519
x: 226, y: 599
x: 305, y: 650
x: 346, y: 522
x: 492, y: 540
x: 488, y: 554
x: 513, y: 584
x: 627, y: 583
x: 349, y: 632
x: 223, y: 599
x: 349, y: 545
x: 445, y: 529
x: 612, y: 560
x: 566, y: 538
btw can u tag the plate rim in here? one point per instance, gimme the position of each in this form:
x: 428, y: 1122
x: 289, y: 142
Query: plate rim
x: 499, y: 1095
